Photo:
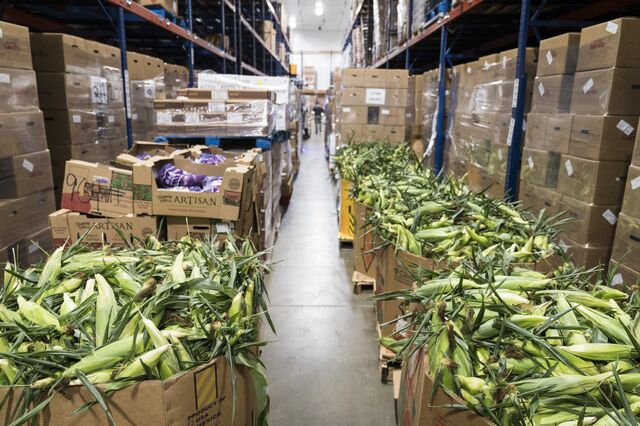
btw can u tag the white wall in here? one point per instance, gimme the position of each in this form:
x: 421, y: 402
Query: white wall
x: 318, y: 49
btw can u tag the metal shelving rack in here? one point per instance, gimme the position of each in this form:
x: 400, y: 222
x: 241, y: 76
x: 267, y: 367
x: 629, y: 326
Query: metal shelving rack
x: 472, y: 28
x: 179, y: 40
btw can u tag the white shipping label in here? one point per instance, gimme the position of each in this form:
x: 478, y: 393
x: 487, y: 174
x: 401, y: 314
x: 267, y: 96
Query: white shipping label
x: 385, y: 111
x: 5, y: 78
x: 163, y: 117
x: 541, y: 89
x: 512, y: 124
x: 99, y: 90
x: 216, y: 107
x: 191, y: 117
x: 514, y: 99
x: 524, y: 124
x: 569, y: 167
x: 587, y: 86
x: 222, y: 95
x: 76, y: 118
x: 112, y: 119
x: 612, y: 27
x: 549, y: 57
x: 375, y: 96
x: 27, y: 165
x: 127, y: 100
x: 33, y: 248
x: 625, y: 127
x: 564, y: 246
x: 610, y: 217
x: 530, y: 162
x: 234, y: 117
x: 222, y: 228
x: 617, y: 279
x: 150, y: 91
x: 346, y: 109
x: 635, y: 183
x: 1, y: 34
x: 504, y: 62
x: 134, y: 116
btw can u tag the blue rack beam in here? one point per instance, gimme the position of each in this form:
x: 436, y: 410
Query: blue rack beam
x: 122, y: 41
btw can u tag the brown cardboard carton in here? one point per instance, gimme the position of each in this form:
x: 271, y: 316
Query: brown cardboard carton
x: 558, y: 132
x: 626, y: 246
x: 558, y: 55
x: 352, y: 96
x: 29, y: 250
x: 540, y: 168
x: 622, y: 275
x: 71, y: 127
x: 591, y: 224
x: 94, y: 57
x: 203, y: 395
x: 24, y: 216
x: 68, y: 226
x: 374, y: 132
x: 25, y: 174
x: 499, y: 153
x: 15, y: 48
x: 631, y: 200
x: 397, y: 79
x: 506, y: 68
x: 610, y: 44
x: 353, y: 77
x: 84, y: 152
x: 375, y: 78
x: 597, y: 182
x: 469, y: 75
x: 97, y: 189
x: 201, y: 228
x: 168, y: 5
x: 391, y: 116
x: 535, y: 136
x: 395, y: 134
x: 18, y: 90
x: 54, y: 52
x: 365, y: 242
x: 603, y: 137
x: 64, y: 91
x: 586, y: 255
x: 614, y: 91
x: 552, y: 94
x: 487, y: 65
x: 353, y: 114
x: 635, y: 160
x: 22, y: 132
x: 536, y: 198
x: 395, y: 97
x: 351, y: 132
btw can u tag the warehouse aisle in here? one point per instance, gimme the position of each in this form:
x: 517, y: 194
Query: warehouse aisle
x: 322, y: 365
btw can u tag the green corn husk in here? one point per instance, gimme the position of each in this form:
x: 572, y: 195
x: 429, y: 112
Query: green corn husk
x: 52, y: 268
x: 37, y: 314
x: 569, y: 319
x: 106, y: 356
x: 601, y: 351
x: 126, y: 282
x: 609, y: 420
x: 136, y: 368
x: 68, y: 305
x: 605, y: 323
x: 562, y: 385
x: 169, y: 358
x: 106, y: 309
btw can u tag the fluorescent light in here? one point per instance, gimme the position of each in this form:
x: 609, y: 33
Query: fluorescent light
x: 292, y: 22
x: 318, y: 11
x: 319, y: 5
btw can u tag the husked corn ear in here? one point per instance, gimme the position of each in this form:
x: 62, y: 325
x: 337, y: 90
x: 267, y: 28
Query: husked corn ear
x: 601, y: 351
x: 67, y: 305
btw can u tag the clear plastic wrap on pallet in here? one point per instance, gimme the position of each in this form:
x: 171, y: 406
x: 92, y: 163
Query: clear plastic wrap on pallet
x: 378, y: 14
x: 612, y: 91
x: 402, y: 10
x: 175, y: 77
x: 552, y: 94
x: 592, y: 224
x: 540, y: 168
x: 598, y: 182
x: 22, y: 132
x: 418, y: 16
x: 626, y: 246
x: 217, y: 118
x: 18, y: 90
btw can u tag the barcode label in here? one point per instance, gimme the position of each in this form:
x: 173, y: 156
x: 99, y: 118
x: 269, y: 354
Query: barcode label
x: 569, y: 167
x: 549, y: 57
x: 541, y: 89
x: 587, y: 86
x: 76, y: 118
x: 27, y: 165
x: 5, y: 78
x: 610, y: 217
x: 625, y: 127
x: 530, y: 162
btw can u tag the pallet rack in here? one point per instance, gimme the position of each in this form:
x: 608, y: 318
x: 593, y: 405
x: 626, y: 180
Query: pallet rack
x: 154, y: 31
x: 472, y: 28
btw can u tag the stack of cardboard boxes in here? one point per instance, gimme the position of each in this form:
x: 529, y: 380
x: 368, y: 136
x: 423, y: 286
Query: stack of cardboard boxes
x: 146, y: 82
x: 80, y: 91
x: 371, y: 105
x: 310, y: 77
x: 170, y: 6
x: 605, y: 102
x: 268, y: 33
x: 26, y: 196
x: 414, y: 131
x: 175, y: 77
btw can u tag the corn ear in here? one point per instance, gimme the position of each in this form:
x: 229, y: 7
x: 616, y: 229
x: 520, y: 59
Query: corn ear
x: 37, y: 314
x: 106, y: 309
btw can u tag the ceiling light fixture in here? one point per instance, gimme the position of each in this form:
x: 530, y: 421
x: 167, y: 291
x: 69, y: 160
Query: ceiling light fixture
x: 292, y: 22
x: 318, y: 10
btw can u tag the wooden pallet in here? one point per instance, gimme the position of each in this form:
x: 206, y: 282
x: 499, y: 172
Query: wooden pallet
x: 344, y: 241
x: 388, y: 368
x: 362, y: 282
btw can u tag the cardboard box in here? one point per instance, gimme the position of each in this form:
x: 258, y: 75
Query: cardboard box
x: 352, y: 96
x: 557, y: 134
x: 536, y: 198
x: 597, y: 182
x: 233, y: 198
x: 71, y: 127
x: 626, y: 246
x: 65, y: 91
x: 22, y: 132
x: 351, y: 132
x: 353, y: 77
x: 487, y: 66
x: 201, y: 395
x: 623, y: 276
x: 97, y: 189
x: 395, y: 134
x: 586, y: 255
x: 506, y: 68
x: 552, y: 94
x: 614, y: 91
x: 197, y: 227
x: 18, y: 90
x: 25, y: 174
x: 24, y: 216
x: 540, y: 168
x: 15, y: 49
x: 391, y: 116
x: 68, y: 227
x: 170, y: 6
x: 397, y: 79
x: 353, y: 114
x: 590, y: 224
x: 631, y: 200
x: 365, y: 242
x: 535, y: 136
x: 603, y: 137
x: 374, y: 132
x: 610, y: 44
x: 395, y: 97
x: 375, y: 78
x: 558, y: 55
x: 59, y: 53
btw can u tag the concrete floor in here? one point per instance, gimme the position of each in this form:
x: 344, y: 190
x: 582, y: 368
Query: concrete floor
x: 322, y: 365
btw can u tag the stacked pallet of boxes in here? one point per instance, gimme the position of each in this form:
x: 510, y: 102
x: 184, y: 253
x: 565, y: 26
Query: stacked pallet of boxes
x: 371, y: 105
x: 175, y: 77
x: 429, y: 108
x: 549, y: 124
x: 268, y: 33
x: 170, y: 6
x: 414, y: 131
x: 606, y: 105
x: 146, y: 82
x: 26, y: 196
x: 80, y: 92
x: 310, y: 77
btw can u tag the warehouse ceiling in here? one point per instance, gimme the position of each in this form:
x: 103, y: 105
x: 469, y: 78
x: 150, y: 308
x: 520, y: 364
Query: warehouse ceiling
x: 335, y: 16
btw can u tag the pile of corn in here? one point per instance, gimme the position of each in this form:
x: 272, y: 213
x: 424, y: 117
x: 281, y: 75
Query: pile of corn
x: 114, y: 317
x: 374, y: 159
x: 524, y: 348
